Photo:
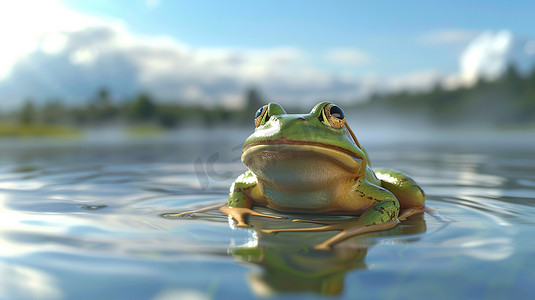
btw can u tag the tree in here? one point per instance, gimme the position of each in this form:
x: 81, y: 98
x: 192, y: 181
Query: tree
x: 512, y: 79
x: 103, y: 98
x: 53, y: 112
x: 101, y: 107
x: 27, y: 113
x: 143, y: 108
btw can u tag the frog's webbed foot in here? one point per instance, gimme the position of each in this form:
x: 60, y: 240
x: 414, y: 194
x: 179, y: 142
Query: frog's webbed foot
x: 239, y: 213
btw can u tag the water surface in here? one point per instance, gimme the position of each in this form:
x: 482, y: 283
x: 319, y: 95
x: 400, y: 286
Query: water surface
x: 83, y: 220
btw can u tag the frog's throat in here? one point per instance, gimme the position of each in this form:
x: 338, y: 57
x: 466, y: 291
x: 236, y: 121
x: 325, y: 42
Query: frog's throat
x: 349, y: 160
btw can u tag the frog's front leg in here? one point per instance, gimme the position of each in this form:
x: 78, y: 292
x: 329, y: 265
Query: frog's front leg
x: 244, y: 192
x: 409, y: 194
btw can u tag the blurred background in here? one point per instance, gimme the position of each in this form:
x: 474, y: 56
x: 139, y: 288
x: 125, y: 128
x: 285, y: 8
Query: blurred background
x: 144, y: 67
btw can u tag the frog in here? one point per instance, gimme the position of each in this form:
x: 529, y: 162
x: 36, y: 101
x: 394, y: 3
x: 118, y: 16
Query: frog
x: 314, y: 164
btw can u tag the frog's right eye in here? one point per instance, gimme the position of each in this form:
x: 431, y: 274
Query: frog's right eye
x: 332, y: 115
x: 261, y: 116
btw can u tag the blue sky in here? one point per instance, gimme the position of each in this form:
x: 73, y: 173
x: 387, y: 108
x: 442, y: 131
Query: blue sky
x: 388, y: 30
x: 209, y: 51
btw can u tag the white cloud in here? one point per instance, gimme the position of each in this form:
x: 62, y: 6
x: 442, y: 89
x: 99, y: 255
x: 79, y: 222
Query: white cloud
x: 348, y: 57
x: 448, y: 36
x: 23, y: 29
x: 488, y: 55
x: 54, y: 43
x: 82, y: 57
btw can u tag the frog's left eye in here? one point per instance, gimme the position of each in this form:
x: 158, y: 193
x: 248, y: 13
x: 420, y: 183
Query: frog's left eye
x: 261, y: 116
x: 332, y: 115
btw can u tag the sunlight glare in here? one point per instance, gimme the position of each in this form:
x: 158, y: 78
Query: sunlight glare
x: 27, y: 25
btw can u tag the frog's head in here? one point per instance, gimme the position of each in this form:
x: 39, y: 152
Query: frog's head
x: 303, y: 151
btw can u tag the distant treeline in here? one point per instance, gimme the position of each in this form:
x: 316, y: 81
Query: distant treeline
x: 102, y: 110
x: 506, y: 101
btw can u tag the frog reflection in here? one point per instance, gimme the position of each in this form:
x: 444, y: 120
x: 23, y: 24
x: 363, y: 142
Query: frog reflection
x: 290, y: 265
x: 313, y: 163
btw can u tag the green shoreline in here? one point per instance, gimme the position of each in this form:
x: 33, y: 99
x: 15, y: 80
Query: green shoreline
x: 38, y: 130
x: 8, y: 130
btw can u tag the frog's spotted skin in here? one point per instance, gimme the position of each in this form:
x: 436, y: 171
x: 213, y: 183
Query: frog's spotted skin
x: 313, y: 163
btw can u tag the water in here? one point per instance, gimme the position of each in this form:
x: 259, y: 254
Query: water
x: 83, y: 220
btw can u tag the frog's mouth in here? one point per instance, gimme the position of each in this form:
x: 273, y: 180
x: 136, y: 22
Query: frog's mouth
x: 300, y: 163
x: 347, y: 158
x: 285, y: 141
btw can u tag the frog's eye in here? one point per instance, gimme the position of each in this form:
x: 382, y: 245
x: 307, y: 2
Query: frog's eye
x: 332, y: 115
x: 261, y: 116
x: 259, y: 112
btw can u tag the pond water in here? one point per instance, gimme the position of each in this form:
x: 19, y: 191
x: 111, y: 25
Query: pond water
x: 83, y: 220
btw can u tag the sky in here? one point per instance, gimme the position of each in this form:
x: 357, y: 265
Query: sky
x: 209, y: 52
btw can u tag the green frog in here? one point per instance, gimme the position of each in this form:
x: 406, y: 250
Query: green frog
x: 313, y: 164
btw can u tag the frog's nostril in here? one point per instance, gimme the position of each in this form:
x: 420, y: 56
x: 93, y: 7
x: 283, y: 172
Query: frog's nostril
x: 302, y: 118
